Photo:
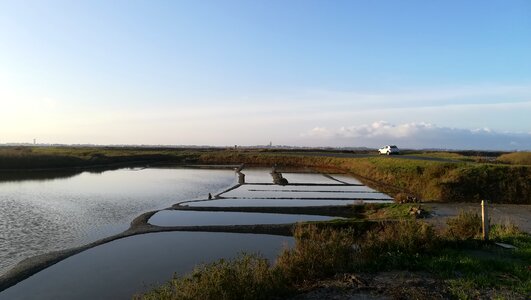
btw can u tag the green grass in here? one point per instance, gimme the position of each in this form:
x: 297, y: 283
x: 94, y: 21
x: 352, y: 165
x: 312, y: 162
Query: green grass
x: 444, y: 155
x: 385, y: 211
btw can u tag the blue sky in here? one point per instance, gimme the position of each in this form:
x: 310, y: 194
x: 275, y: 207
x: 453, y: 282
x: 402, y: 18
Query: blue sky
x: 453, y: 74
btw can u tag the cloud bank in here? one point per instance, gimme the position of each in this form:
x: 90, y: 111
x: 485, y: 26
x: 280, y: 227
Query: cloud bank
x: 419, y: 135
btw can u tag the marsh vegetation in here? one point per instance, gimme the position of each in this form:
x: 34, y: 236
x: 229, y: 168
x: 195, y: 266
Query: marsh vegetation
x: 464, y: 266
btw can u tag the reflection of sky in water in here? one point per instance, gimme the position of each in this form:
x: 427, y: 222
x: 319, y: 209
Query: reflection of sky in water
x: 197, y: 218
x: 307, y: 178
x: 258, y: 175
x: 346, y: 178
x: 121, y: 268
x: 300, y: 191
x: 276, y: 202
x: 40, y: 216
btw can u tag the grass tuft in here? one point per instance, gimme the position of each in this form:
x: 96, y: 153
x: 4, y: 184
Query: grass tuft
x: 465, y: 226
x: 396, y: 244
x: 317, y: 253
x: 246, y: 277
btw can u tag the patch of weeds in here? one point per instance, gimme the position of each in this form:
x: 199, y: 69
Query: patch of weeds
x: 470, y: 268
x: 247, y: 277
x: 397, y: 244
x: 463, y: 289
x: 465, y: 226
x: 390, y: 211
x: 485, y: 269
x: 317, y: 253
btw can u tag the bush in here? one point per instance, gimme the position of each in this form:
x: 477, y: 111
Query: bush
x: 247, y: 277
x: 405, y: 237
x: 317, y: 253
x: 465, y: 226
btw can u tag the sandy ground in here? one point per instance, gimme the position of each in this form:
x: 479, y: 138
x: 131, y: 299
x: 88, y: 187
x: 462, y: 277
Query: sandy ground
x: 517, y: 214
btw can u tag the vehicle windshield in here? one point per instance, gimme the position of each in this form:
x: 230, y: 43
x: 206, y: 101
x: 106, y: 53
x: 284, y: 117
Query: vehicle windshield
x: 393, y: 146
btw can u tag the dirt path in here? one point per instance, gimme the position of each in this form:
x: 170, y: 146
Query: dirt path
x: 519, y: 215
x: 378, y: 286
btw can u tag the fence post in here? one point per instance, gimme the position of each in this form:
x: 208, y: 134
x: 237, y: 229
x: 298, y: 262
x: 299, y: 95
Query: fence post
x: 485, y: 220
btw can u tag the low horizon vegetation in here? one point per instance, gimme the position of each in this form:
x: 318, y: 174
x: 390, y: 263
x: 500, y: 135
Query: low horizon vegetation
x: 426, y: 180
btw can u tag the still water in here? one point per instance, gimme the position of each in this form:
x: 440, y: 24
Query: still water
x: 278, y: 202
x: 119, y: 269
x: 57, y: 211
x: 202, y: 218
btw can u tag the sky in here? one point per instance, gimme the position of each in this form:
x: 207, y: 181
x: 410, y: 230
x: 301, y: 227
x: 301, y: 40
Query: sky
x: 419, y: 74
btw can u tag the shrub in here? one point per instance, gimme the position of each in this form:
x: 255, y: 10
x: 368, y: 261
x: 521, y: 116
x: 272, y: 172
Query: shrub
x: 405, y: 237
x: 247, y: 277
x: 317, y: 253
x: 465, y: 226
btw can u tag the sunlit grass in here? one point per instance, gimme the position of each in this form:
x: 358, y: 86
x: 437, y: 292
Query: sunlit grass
x: 516, y: 158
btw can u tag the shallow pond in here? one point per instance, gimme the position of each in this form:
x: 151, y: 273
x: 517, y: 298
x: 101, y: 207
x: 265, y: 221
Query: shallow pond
x: 337, y: 192
x: 345, y: 178
x: 119, y: 269
x: 258, y: 175
x: 200, y: 218
x: 56, y: 212
x: 277, y: 202
x: 307, y: 178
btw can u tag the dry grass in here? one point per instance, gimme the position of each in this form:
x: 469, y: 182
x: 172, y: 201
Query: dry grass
x: 464, y: 226
x: 516, y: 158
x: 403, y: 238
x: 247, y: 277
x: 317, y: 253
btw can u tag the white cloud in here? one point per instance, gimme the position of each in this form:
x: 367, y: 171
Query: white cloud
x: 317, y: 132
x: 420, y: 135
x: 488, y: 112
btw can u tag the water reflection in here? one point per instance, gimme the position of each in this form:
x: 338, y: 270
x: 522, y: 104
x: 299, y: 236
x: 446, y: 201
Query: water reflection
x: 121, y: 268
x: 42, y: 215
x: 11, y: 176
x: 200, y: 218
x: 43, y: 175
x: 278, y: 202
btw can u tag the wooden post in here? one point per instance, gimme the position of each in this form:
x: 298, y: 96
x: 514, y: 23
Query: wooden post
x: 485, y: 220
